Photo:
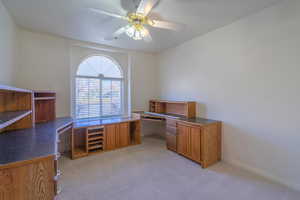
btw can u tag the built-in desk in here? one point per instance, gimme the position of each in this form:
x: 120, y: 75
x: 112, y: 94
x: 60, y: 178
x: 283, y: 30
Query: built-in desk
x: 195, y: 138
x: 28, y: 161
x: 104, y: 134
x: 29, y: 157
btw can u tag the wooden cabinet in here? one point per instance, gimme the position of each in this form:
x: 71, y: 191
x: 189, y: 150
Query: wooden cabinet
x: 16, y: 108
x: 28, y: 180
x: 183, y: 108
x: 110, y: 136
x: 200, y: 143
x: 98, y: 138
x: 123, y: 137
x: 189, y: 141
x: 117, y: 136
x: 195, y: 143
x: 44, y: 106
x: 183, y: 140
x: 171, y: 134
x: 94, y: 138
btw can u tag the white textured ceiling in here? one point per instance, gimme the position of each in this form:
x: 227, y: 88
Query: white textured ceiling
x: 72, y: 19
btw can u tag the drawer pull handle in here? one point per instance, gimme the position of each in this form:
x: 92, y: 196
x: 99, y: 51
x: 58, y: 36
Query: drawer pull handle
x: 58, y: 191
x: 58, y: 155
x: 58, y: 174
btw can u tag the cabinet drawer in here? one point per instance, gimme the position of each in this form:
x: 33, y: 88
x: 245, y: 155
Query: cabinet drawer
x: 171, y: 130
x: 171, y: 122
x: 171, y: 142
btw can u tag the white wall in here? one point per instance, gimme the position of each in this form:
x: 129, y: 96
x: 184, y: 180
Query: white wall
x: 144, y: 83
x: 247, y: 75
x: 46, y: 64
x: 8, y: 47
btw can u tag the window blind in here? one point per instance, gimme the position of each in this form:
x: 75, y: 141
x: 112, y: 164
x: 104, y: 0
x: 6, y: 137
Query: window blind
x: 96, y: 97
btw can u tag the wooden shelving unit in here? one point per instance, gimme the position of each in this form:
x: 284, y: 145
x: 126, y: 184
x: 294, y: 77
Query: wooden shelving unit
x: 16, y: 108
x: 9, y: 118
x: 95, y: 139
x: 44, y: 106
x: 79, y: 141
x: 182, y: 108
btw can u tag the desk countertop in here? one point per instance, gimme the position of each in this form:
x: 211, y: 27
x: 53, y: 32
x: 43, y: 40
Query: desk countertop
x: 27, y: 144
x: 103, y: 121
x: 41, y: 141
x: 196, y: 120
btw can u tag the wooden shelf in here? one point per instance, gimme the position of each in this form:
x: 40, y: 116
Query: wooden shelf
x: 13, y: 89
x: 95, y: 151
x: 99, y: 146
x: 95, y: 138
x: 95, y: 133
x: 16, y: 108
x: 182, y: 108
x: 8, y: 118
x: 44, y: 98
x: 95, y: 142
x: 79, y: 152
x: 153, y: 101
x: 44, y: 91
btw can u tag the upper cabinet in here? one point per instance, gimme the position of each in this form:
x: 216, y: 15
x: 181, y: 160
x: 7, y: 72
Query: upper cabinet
x: 181, y: 108
x: 44, y: 106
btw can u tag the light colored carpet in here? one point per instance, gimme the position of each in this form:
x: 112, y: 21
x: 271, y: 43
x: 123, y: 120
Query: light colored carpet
x: 150, y: 172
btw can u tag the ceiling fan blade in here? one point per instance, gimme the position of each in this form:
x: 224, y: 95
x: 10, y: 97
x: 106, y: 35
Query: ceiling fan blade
x: 116, y: 34
x: 146, y: 6
x: 147, y: 37
x: 102, y: 12
x: 167, y: 25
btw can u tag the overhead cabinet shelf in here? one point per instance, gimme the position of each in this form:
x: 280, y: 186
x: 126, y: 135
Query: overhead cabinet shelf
x: 8, y: 118
x: 180, y: 108
x: 44, y: 98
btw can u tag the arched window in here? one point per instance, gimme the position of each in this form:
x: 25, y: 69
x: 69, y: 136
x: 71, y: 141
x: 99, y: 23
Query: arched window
x: 98, y: 88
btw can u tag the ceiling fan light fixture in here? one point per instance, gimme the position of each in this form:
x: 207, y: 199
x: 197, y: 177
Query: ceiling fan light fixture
x: 137, y: 36
x: 150, y: 22
x: 130, y: 31
x: 138, y: 22
x: 136, y: 32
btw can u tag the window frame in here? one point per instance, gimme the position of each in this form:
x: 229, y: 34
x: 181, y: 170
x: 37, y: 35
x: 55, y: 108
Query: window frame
x: 100, y: 78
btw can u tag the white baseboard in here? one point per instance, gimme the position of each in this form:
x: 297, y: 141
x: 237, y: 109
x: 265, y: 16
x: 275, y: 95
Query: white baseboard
x: 262, y: 173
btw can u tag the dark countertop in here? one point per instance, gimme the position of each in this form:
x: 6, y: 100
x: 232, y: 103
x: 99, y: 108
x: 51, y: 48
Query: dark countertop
x: 196, y: 120
x: 41, y: 141
x: 27, y: 144
x: 11, y: 117
x: 103, y: 121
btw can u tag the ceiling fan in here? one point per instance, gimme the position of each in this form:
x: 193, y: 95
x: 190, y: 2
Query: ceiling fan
x: 138, y: 21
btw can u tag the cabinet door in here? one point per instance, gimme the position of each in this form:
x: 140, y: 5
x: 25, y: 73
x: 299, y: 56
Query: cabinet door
x: 123, y: 135
x: 33, y: 181
x: 183, y: 139
x: 195, y: 142
x: 110, y: 136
